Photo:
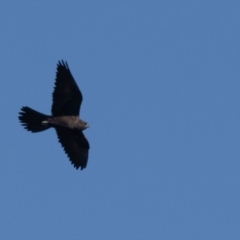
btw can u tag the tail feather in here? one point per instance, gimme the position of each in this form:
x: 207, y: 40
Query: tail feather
x: 32, y: 120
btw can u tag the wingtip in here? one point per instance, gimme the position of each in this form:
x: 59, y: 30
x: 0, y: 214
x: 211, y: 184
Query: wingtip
x: 62, y: 63
x: 78, y: 167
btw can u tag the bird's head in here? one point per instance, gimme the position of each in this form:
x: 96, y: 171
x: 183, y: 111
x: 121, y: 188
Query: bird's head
x: 82, y: 125
x: 86, y: 125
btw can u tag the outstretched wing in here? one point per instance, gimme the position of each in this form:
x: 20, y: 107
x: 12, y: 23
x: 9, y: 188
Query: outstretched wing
x: 67, y: 97
x: 75, y: 144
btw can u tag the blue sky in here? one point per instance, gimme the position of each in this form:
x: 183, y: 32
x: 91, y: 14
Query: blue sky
x: 161, y: 84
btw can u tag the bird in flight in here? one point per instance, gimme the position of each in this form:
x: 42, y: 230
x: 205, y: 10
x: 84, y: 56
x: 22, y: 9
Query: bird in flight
x: 67, y: 99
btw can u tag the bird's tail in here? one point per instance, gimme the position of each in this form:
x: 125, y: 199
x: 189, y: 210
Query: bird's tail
x: 32, y: 120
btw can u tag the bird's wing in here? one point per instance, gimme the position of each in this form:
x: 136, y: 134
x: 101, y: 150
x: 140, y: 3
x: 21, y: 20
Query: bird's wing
x: 75, y: 145
x: 67, y: 97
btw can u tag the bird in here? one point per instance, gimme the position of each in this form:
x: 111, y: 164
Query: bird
x: 66, y: 102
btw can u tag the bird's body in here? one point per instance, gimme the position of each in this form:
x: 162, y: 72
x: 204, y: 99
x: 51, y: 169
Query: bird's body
x: 67, y: 99
x: 72, y: 122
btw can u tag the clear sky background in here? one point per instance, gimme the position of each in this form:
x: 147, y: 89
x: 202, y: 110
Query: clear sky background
x: 161, y: 87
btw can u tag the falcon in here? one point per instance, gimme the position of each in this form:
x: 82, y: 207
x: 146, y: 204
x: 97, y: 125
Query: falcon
x: 66, y: 102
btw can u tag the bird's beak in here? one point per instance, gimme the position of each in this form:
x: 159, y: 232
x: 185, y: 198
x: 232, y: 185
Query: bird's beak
x: 87, y: 126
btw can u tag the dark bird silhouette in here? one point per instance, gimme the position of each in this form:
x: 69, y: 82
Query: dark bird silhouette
x: 67, y: 99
